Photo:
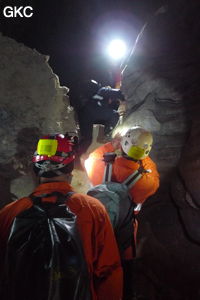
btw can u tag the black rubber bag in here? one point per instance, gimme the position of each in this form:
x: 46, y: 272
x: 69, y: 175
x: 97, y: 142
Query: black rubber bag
x: 44, y: 258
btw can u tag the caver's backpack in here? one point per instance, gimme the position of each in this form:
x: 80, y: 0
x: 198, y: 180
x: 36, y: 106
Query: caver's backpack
x: 119, y: 205
x: 44, y: 257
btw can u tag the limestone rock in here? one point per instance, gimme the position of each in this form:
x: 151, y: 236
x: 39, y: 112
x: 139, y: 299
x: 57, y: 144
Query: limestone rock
x: 161, y: 83
x: 32, y: 103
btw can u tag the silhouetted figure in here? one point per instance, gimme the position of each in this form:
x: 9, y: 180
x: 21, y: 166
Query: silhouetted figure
x: 95, y: 105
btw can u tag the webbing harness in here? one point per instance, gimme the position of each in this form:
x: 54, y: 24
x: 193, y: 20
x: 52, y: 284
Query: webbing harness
x: 130, y: 181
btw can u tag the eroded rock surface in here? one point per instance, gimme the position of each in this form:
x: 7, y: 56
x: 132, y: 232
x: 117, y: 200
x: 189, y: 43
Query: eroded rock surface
x: 32, y: 103
x: 161, y: 83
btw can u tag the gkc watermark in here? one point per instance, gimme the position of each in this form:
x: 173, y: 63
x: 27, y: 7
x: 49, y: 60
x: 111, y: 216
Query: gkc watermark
x: 15, y: 11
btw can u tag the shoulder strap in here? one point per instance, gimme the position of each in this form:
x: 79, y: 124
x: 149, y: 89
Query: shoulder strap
x: 131, y: 180
x: 109, y: 159
x: 60, y: 197
x: 107, y: 173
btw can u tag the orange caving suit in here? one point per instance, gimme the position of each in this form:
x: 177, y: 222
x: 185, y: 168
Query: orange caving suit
x: 122, y: 168
x: 146, y: 186
x: 99, y: 244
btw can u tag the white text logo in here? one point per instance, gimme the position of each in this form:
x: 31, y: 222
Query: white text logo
x: 14, y: 12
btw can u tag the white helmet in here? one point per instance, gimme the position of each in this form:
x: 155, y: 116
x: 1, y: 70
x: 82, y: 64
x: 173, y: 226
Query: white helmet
x: 137, y: 143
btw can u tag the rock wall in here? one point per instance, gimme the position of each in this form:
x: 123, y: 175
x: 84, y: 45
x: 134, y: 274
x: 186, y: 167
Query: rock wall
x: 32, y: 103
x: 161, y: 82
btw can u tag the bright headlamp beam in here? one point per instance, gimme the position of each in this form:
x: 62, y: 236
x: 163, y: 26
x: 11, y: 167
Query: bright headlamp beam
x: 117, y: 49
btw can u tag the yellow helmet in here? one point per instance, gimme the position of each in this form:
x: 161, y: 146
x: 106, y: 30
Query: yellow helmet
x: 137, y: 143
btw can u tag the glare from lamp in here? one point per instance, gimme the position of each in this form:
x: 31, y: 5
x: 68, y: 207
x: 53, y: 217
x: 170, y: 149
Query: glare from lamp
x: 121, y: 129
x: 88, y: 164
x: 117, y: 49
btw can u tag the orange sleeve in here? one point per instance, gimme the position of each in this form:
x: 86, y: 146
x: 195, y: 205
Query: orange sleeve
x: 100, y: 247
x: 95, y: 165
x: 148, y: 184
x: 9, y: 212
x: 153, y: 177
x: 108, y: 275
